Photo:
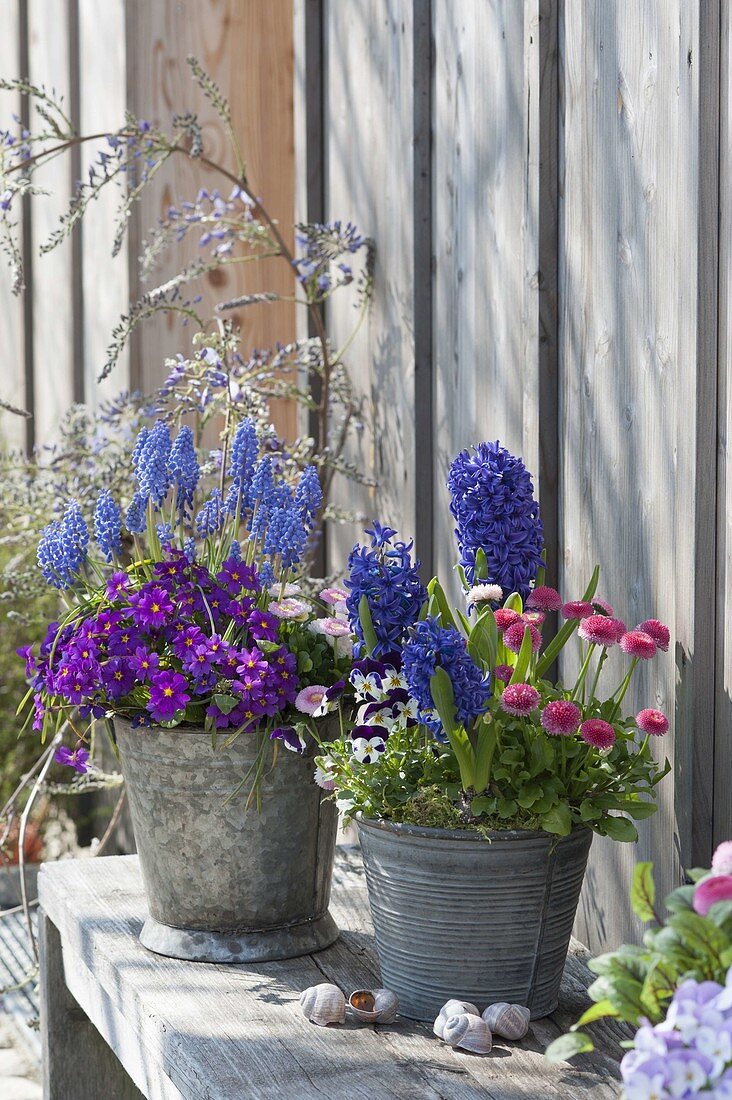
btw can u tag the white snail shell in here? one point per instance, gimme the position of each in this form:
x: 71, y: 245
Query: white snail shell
x: 452, y: 1008
x: 375, y: 1006
x: 508, y: 1021
x: 324, y: 1004
x: 468, y: 1032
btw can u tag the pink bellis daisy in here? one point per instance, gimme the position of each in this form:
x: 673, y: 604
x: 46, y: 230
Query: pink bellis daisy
x: 598, y: 732
x: 711, y: 890
x: 652, y: 721
x: 520, y: 699
x: 601, y: 630
x: 503, y: 673
x: 544, y: 598
x: 309, y: 699
x: 505, y: 617
x: 577, y: 609
x: 656, y: 630
x: 561, y: 717
x: 514, y: 636
x: 484, y: 593
x: 722, y: 858
x: 638, y: 644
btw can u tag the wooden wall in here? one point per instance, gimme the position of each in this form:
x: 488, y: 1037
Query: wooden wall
x: 133, y: 55
x: 543, y: 184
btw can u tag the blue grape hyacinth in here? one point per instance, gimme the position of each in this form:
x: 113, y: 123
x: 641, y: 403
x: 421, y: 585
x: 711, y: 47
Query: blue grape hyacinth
x: 492, y: 500
x: 108, y: 525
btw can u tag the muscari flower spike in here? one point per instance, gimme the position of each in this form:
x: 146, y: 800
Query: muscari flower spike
x: 184, y: 469
x: 244, y: 452
x: 492, y: 500
x: 108, y: 525
x: 152, y: 470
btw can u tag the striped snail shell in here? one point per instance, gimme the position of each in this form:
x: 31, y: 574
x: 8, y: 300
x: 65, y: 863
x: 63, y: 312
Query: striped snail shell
x: 508, y: 1021
x: 468, y: 1032
x: 374, y: 1006
x: 323, y: 1004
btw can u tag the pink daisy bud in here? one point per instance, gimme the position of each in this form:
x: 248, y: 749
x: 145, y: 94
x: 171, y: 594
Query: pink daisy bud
x: 505, y: 617
x: 652, y: 721
x: 503, y: 672
x: 636, y: 643
x: 520, y: 699
x: 656, y: 630
x: 711, y: 890
x: 561, y: 717
x: 577, y: 609
x: 535, y: 617
x: 603, y: 605
x: 514, y: 636
x: 722, y: 858
x: 544, y: 598
x: 601, y: 630
x: 598, y: 732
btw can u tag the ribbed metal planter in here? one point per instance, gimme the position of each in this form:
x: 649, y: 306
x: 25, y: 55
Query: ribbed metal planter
x: 456, y: 915
x: 223, y: 883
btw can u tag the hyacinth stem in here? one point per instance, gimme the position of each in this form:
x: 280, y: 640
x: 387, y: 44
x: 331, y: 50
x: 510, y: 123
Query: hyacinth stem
x: 583, y: 671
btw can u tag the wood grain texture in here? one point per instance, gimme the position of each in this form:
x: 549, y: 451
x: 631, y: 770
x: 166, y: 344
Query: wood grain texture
x: 632, y: 270
x: 190, y: 1030
x: 369, y: 180
x: 52, y: 285
x: 486, y: 238
x: 12, y: 379
x: 246, y: 47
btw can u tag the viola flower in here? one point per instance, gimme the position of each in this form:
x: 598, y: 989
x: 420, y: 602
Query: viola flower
x: 520, y: 699
x: 484, y: 593
x: 505, y: 617
x: 598, y: 733
x: 544, y: 598
x: 577, y: 609
x: 367, y: 744
x: 289, y: 609
x: 513, y: 637
x: 492, y: 500
x: 334, y: 595
x: 638, y: 644
x: 144, y: 663
x: 151, y: 607
x: 78, y: 759
x: 309, y: 699
x: 117, y: 586
x: 601, y: 630
x: 168, y: 695
x: 330, y: 699
x: 656, y: 630
x: 711, y: 890
x: 290, y: 738
x: 561, y: 717
x: 503, y: 673
x: 652, y: 721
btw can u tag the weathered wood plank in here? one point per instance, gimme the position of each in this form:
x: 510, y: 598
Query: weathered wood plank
x: 369, y: 180
x: 633, y: 405
x: 52, y: 286
x: 12, y: 386
x: 485, y: 238
x: 247, y: 49
x: 243, y: 1024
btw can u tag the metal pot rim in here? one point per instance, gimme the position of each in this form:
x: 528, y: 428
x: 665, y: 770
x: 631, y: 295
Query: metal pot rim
x: 397, y: 828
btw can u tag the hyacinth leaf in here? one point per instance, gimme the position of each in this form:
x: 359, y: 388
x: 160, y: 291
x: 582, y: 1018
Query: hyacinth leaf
x: 367, y: 625
x: 541, y: 571
x: 643, y: 891
x: 568, y: 1046
x: 563, y: 635
x: 598, y: 1011
x: 514, y: 603
x: 487, y: 733
x: 483, y: 640
x: 480, y: 572
x: 436, y: 592
x: 444, y: 700
x: 464, y: 621
x: 524, y: 659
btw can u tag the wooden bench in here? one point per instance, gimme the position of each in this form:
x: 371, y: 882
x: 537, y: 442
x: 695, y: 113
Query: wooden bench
x: 119, y: 1023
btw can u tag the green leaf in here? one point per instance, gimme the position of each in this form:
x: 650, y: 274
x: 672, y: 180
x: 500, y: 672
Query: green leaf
x: 483, y: 640
x: 637, y: 809
x: 619, y: 828
x: 482, y: 804
x: 514, y: 603
x: 595, y: 1012
x: 568, y: 1046
x: 436, y: 592
x: 562, y: 636
x: 720, y: 912
x: 658, y: 988
x: 524, y: 659
x: 367, y: 625
x: 643, y: 891
x: 680, y: 898
x: 480, y: 571
x: 558, y: 820
x: 225, y: 703
x: 444, y: 699
x: 699, y: 935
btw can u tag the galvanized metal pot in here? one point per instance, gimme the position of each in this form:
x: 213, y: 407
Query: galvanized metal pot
x: 223, y: 883
x: 457, y: 915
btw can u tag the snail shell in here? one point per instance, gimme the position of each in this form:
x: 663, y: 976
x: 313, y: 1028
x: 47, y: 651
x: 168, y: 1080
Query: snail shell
x: 468, y: 1032
x: 508, y: 1021
x: 375, y: 1006
x: 452, y: 1008
x: 324, y: 1004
